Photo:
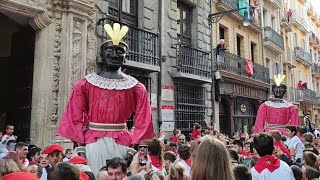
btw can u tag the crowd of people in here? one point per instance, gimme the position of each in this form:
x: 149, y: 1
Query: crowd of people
x: 201, y: 155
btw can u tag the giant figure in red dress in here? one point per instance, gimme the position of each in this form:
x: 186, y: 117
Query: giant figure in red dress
x: 276, y: 113
x: 101, y: 104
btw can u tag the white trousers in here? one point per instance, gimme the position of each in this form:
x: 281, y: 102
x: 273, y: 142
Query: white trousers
x: 104, y: 149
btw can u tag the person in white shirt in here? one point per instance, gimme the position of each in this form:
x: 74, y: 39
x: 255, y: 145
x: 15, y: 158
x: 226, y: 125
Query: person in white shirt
x: 68, y: 155
x: 10, y: 146
x: 269, y: 167
x: 294, y: 143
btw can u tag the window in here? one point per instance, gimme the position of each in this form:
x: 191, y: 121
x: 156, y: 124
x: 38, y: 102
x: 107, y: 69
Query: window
x: 304, y: 45
x: 124, y: 11
x: 240, y: 45
x: 268, y: 66
x: 253, y: 51
x: 184, y: 13
x: 190, y: 105
x: 265, y: 17
x: 221, y: 33
x: 299, y: 76
x: 276, y: 68
x: 295, y: 40
x: 273, y: 23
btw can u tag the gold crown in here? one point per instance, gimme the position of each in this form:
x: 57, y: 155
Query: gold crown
x: 278, y: 79
x: 116, y: 34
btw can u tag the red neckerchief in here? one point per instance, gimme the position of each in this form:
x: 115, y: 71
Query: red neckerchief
x: 156, y: 162
x: 188, y: 161
x: 269, y: 162
x: 9, y: 134
x: 283, y: 148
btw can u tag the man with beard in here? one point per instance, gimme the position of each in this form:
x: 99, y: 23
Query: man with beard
x: 100, y: 105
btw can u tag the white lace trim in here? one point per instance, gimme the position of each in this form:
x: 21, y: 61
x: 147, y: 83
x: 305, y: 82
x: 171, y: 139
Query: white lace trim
x: 278, y: 104
x: 111, y: 84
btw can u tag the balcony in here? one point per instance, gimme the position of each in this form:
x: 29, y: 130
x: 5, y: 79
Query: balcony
x: 273, y: 40
x: 275, y: 3
x: 311, y: 12
x: 304, y: 26
x: 286, y: 23
x: 315, y: 70
x: 233, y: 66
x: 226, y: 5
x: 302, y: 57
x: 312, y: 39
x: 296, y: 19
x: 289, y: 60
x: 143, y: 46
x: 192, y: 64
x: 307, y: 95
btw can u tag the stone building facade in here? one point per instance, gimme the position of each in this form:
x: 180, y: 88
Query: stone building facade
x: 50, y: 44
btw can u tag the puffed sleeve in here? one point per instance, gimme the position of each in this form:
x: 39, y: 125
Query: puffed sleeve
x: 294, y: 116
x: 260, y: 119
x: 143, y: 124
x: 72, y: 124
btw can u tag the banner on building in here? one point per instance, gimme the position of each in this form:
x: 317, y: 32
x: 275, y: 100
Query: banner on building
x: 167, y: 126
x: 154, y: 101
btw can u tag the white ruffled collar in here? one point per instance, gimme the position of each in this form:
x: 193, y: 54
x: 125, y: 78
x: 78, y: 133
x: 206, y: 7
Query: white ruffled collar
x: 284, y: 104
x: 111, y: 84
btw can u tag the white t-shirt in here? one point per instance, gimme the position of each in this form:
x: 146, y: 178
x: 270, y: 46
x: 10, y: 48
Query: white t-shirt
x: 284, y: 172
x: 295, y: 143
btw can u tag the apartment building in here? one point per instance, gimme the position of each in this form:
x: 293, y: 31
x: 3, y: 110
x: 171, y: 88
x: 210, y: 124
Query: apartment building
x: 240, y: 91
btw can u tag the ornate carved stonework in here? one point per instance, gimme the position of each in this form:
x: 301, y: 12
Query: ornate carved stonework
x: 56, y: 66
x: 76, y: 52
x: 91, y: 48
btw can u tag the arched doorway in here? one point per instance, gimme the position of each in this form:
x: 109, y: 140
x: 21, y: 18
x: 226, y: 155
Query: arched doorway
x: 16, y: 73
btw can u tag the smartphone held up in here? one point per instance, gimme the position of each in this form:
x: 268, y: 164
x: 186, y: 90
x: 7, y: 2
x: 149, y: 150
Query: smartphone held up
x: 143, y: 155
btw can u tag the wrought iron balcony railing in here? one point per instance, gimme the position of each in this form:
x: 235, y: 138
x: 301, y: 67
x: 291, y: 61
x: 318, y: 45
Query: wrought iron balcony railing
x: 315, y: 69
x: 236, y: 64
x: 193, y: 61
x: 274, y: 37
x: 307, y: 95
x: 312, y: 38
x: 143, y: 45
x: 304, y: 57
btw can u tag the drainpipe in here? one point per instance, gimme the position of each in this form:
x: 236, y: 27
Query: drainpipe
x: 160, y: 30
x: 213, y: 120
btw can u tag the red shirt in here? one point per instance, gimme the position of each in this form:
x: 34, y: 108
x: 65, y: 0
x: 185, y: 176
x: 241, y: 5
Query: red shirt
x: 195, y: 134
x: 300, y: 85
x: 174, y: 138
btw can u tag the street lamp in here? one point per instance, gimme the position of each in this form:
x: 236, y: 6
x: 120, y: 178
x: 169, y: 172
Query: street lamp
x: 214, y: 18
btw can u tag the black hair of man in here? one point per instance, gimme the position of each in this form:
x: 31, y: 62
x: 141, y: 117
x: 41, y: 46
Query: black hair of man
x: 173, y: 144
x: 263, y: 143
x: 65, y: 171
x: 169, y: 155
x: 20, y: 145
x: 312, y: 173
x: 116, y: 162
x: 241, y: 172
x: 238, y: 143
x: 32, y: 151
x: 292, y: 129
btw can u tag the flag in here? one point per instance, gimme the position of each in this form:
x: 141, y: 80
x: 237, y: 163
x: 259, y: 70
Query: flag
x: 249, y: 67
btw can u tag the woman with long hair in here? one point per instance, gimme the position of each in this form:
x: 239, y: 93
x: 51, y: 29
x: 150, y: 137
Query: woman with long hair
x: 212, y: 161
x: 176, y: 172
x: 155, y: 152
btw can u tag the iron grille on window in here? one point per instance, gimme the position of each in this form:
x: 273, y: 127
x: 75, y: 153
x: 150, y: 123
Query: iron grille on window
x: 146, y: 81
x: 190, y: 105
x: 143, y: 45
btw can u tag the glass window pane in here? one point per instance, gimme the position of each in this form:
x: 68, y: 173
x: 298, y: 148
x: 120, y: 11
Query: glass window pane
x: 126, y: 6
x: 178, y: 21
x: 113, y: 3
